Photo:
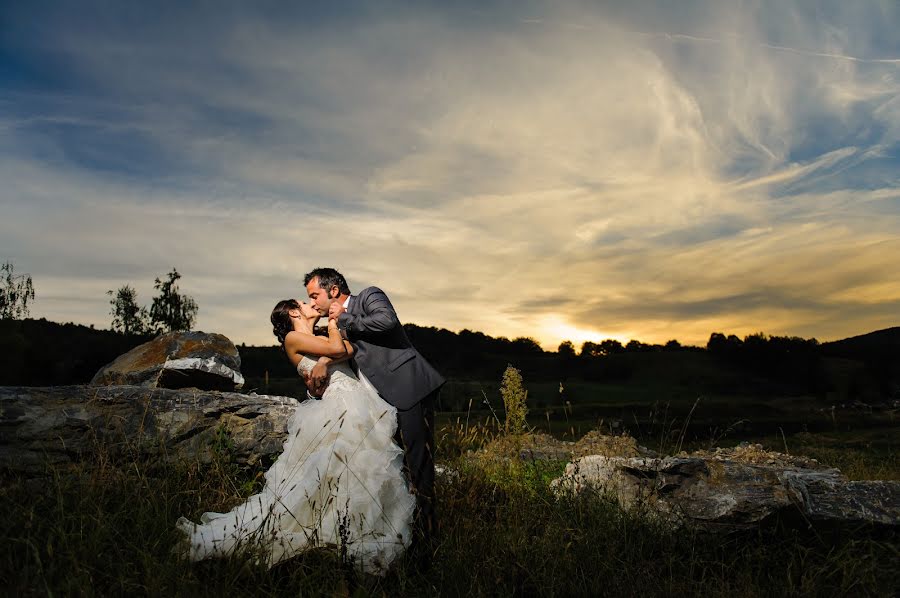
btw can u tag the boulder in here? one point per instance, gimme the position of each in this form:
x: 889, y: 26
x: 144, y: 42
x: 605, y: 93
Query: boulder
x: 81, y: 424
x: 177, y: 360
x: 733, y: 489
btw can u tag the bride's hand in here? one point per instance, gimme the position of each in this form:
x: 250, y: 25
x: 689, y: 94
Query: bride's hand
x: 332, y: 323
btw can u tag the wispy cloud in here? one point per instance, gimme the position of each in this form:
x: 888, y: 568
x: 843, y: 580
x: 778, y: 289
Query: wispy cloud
x: 655, y: 172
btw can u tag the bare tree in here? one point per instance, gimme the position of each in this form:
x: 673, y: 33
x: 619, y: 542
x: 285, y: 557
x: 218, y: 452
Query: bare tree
x: 16, y: 292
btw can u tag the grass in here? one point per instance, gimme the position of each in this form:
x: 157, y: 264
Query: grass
x: 860, y: 454
x: 109, y: 530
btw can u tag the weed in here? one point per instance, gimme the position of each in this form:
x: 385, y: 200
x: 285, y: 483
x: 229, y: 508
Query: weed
x: 515, y: 400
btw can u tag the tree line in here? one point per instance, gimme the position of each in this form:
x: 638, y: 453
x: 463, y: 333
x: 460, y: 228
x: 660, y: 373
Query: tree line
x: 756, y: 363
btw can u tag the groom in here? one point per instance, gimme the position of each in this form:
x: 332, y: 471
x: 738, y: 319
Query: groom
x: 384, y: 355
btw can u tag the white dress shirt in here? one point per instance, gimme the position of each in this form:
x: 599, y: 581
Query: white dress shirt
x: 362, y: 377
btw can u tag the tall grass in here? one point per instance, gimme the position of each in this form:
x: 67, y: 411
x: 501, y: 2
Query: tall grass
x: 109, y: 530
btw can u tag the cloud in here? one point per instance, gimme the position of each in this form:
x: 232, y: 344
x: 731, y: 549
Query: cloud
x: 549, y: 170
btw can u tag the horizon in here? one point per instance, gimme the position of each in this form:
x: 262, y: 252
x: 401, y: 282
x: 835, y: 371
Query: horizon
x: 555, y: 349
x: 555, y: 170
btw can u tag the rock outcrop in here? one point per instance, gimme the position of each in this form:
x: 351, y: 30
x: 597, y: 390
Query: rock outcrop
x: 734, y: 488
x: 177, y: 360
x: 70, y: 424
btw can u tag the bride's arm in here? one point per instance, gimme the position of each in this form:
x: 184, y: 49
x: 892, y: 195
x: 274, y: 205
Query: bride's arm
x: 333, y: 347
x: 335, y: 333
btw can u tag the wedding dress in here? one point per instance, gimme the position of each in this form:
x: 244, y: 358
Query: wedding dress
x: 337, y: 483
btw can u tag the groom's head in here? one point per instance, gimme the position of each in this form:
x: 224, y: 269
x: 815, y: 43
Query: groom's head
x: 324, y: 286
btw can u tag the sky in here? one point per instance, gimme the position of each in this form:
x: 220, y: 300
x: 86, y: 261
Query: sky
x: 557, y: 170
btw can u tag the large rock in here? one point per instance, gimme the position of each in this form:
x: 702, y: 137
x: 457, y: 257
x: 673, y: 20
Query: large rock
x: 734, y: 488
x: 177, y: 360
x: 80, y: 424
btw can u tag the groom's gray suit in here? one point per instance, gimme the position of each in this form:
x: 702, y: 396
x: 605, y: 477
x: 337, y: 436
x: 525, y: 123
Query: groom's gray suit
x: 384, y: 353
x: 403, y: 378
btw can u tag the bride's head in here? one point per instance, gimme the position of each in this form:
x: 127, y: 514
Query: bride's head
x: 288, y: 315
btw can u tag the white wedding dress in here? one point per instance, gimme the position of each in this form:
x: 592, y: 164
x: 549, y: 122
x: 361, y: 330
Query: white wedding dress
x: 337, y: 483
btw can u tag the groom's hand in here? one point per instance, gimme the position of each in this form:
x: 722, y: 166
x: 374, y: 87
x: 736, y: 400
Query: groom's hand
x: 318, y: 377
x: 335, y: 310
x: 309, y: 387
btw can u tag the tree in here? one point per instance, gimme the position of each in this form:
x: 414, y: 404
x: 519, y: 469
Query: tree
x: 526, y: 344
x: 128, y: 316
x: 728, y: 347
x: 611, y: 346
x: 15, y: 294
x: 672, y: 345
x: 171, y: 310
x: 636, y: 346
x: 566, y: 349
x: 589, y: 349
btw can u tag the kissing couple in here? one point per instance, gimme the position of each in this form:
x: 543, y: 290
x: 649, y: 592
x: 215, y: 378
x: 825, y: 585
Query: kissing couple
x: 357, y: 468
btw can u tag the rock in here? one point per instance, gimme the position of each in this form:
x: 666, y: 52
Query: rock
x: 446, y: 472
x: 538, y: 446
x: 596, y: 443
x: 533, y: 446
x: 81, y: 424
x: 734, y: 488
x: 177, y: 360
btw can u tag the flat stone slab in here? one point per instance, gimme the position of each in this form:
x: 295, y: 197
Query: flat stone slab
x: 727, y: 490
x: 42, y: 426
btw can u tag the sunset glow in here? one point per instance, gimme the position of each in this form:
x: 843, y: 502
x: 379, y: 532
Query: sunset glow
x: 561, y: 170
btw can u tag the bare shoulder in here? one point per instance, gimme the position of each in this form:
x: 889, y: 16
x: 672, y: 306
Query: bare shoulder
x: 293, y: 346
x: 292, y: 341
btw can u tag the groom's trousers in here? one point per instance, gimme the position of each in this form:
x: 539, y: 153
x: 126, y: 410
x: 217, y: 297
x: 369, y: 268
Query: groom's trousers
x: 415, y: 434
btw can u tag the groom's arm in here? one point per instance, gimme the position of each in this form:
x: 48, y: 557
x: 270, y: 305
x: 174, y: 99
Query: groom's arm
x: 375, y: 314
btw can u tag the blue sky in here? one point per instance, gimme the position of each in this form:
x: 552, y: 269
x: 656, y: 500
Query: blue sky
x: 559, y: 170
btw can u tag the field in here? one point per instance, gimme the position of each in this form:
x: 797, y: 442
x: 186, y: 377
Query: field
x: 669, y: 418
x: 110, y: 531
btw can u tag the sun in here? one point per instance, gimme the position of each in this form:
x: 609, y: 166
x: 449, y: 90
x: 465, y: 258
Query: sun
x: 553, y: 330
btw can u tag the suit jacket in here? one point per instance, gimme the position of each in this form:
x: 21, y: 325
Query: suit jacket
x: 384, y: 353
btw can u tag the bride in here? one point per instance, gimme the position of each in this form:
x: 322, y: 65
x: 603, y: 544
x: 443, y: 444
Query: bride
x: 338, y: 481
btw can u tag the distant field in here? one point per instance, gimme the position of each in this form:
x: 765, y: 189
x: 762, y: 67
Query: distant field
x: 865, y: 441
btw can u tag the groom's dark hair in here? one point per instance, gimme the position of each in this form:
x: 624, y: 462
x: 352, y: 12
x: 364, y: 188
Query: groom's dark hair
x: 328, y: 277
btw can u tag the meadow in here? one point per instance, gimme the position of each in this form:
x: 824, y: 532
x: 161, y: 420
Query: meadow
x: 109, y: 530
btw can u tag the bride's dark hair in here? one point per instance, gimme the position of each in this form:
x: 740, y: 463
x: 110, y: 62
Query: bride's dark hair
x: 281, y: 319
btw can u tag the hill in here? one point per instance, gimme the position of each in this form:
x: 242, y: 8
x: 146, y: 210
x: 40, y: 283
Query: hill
x: 44, y: 353
x: 885, y: 341
x: 878, y: 353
